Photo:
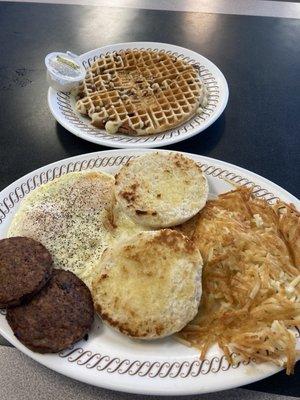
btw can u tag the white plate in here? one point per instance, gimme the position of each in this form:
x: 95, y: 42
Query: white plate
x: 111, y: 360
x: 62, y: 105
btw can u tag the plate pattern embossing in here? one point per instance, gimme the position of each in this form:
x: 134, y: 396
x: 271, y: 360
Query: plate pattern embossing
x: 7, y: 203
x: 154, y: 369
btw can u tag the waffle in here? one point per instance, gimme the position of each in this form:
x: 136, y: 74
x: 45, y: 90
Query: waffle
x: 140, y: 92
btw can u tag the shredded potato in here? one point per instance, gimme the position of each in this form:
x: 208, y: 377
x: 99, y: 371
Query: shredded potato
x: 251, y: 279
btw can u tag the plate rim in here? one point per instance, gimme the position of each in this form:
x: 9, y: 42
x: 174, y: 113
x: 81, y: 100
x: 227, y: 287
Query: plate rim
x: 51, y: 100
x: 131, y: 387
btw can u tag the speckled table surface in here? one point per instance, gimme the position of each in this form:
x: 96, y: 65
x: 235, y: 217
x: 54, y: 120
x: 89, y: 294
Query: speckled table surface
x: 259, y: 129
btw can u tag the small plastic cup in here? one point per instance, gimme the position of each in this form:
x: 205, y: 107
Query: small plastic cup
x: 64, y: 71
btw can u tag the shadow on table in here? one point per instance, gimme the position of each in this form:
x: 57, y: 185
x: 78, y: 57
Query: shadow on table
x: 279, y: 383
x: 74, y: 145
x: 204, y: 142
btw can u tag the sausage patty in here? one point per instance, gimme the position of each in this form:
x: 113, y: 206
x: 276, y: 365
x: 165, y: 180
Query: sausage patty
x: 25, y: 267
x: 58, y: 316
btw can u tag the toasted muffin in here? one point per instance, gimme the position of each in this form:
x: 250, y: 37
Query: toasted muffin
x: 161, y: 189
x: 149, y: 286
x: 70, y: 216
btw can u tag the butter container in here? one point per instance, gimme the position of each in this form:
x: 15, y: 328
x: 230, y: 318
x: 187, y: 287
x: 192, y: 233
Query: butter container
x: 64, y: 71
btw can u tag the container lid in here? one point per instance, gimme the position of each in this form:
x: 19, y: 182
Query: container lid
x: 65, y: 66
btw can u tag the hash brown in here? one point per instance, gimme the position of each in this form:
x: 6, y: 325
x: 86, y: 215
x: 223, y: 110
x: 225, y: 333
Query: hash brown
x: 251, y: 293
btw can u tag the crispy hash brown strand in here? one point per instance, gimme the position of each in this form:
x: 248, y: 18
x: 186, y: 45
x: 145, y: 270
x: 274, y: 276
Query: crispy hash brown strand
x: 140, y: 92
x: 251, y: 279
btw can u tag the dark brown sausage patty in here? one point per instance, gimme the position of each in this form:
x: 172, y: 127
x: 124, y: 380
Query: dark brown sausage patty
x: 25, y: 267
x: 58, y: 316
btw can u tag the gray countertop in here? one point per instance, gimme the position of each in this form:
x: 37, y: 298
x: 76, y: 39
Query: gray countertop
x: 4, y: 342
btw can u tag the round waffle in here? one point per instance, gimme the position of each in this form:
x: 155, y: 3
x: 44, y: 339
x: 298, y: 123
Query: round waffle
x: 140, y: 92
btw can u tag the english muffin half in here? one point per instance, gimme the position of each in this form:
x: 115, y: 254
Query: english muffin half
x: 161, y: 189
x: 149, y: 285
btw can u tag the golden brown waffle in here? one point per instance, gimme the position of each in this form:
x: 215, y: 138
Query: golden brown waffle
x: 140, y: 92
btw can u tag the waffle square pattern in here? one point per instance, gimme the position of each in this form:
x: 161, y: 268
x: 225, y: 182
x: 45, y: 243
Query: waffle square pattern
x: 140, y: 92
